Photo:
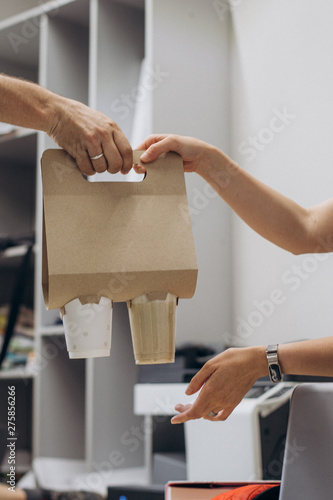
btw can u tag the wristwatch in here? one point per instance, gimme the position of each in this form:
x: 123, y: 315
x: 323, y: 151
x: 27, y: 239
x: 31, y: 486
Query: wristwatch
x: 274, y: 370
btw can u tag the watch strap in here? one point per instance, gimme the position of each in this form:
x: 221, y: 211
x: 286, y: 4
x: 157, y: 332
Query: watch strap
x: 274, y: 369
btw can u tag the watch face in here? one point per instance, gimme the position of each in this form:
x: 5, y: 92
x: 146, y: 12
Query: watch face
x: 275, y: 373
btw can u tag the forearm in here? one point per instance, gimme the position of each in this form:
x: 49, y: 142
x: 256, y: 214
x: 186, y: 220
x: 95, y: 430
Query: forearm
x: 26, y: 104
x: 272, y: 215
x: 309, y: 357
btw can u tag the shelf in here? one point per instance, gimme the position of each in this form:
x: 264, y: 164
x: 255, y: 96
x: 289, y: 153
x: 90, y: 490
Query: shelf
x: 126, y: 56
x: 62, y: 401
x: 22, y: 462
x: 93, y: 51
x: 16, y: 133
x: 19, y: 50
x: 16, y: 374
x: 68, y: 41
x: 62, y: 474
x: 138, y: 4
x: 18, y: 183
x: 10, y: 261
x: 51, y: 330
x: 13, y: 252
x: 18, y: 17
x: 70, y: 12
x: 57, y: 473
x: 19, y: 147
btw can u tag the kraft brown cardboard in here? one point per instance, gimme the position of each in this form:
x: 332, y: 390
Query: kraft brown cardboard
x: 118, y: 240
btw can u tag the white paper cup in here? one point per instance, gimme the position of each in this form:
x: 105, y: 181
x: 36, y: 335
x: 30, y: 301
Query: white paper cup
x: 153, y: 327
x: 88, y: 328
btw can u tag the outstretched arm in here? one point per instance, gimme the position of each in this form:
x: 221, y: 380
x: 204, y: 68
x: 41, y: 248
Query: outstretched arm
x: 226, y: 378
x: 271, y: 214
x: 80, y: 130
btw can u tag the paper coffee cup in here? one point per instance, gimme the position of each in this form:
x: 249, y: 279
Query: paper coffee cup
x: 153, y: 326
x: 87, y: 328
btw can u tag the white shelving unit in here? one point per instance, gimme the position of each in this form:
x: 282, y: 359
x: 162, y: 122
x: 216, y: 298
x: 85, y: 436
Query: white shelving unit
x: 93, y: 51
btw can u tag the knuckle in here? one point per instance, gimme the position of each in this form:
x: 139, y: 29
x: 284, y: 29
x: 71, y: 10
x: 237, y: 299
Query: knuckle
x: 195, y: 416
x: 226, y: 413
x: 127, y: 152
x: 113, y: 125
x: 90, y: 136
x: 174, y: 139
x: 153, y: 148
x: 115, y: 166
x: 100, y: 169
x: 101, y: 136
x: 87, y: 171
x: 105, y: 133
x: 151, y: 138
x: 84, y: 166
x: 93, y: 137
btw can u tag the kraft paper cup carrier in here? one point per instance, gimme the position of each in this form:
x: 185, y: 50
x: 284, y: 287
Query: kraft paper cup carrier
x: 106, y: 242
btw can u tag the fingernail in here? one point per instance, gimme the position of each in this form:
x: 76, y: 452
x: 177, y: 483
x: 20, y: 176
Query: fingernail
x: 188, y: 391
x: 144, y: 157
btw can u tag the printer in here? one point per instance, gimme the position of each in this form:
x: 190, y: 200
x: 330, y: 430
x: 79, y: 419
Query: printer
x: 249, y: 445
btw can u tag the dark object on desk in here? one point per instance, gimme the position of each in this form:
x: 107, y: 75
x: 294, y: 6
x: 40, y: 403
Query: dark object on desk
x: 135, y: 493
x: 19, y: 287
x: 188, y: 361
x: 271, y: 494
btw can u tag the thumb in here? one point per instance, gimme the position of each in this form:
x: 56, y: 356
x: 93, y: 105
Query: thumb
x: 155, y: 150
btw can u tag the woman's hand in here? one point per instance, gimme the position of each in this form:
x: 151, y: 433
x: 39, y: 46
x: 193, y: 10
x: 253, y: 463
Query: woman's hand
x: 225, y: 379
x: 195, y: 153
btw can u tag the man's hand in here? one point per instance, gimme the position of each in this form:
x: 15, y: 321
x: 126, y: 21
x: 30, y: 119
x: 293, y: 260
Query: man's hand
x: 85, y: 133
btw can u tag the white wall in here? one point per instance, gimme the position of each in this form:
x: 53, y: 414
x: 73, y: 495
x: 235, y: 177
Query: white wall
x: 282, y: 60
x: 190, y: 45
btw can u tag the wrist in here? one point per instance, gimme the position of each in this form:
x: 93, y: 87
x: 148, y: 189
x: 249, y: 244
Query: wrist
x: 54, y: 110
x: 217, y: 169
x: 260, y: 360
x: 209, y: 157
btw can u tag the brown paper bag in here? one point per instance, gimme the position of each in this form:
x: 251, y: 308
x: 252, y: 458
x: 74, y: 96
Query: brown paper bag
x: 118, y: 240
